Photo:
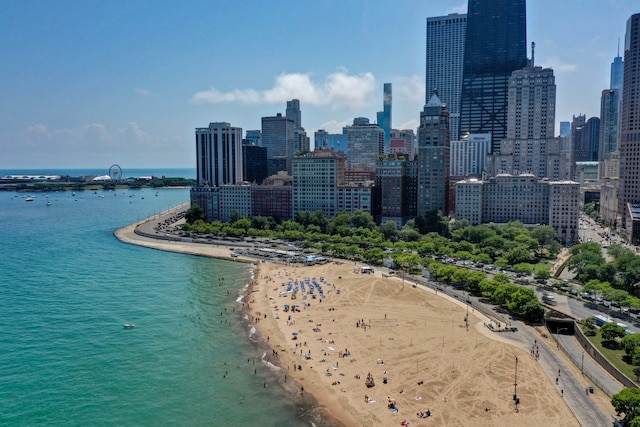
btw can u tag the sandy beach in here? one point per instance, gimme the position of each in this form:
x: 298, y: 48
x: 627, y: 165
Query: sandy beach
x: 362, y: 324
x: 418, y: 341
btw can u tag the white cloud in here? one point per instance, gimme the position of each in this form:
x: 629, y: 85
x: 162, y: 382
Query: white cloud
x: 37, y: 130
x: 338, y: 90
x: 334, y: 126
x: 290, y: 86
x: 411, y: 124
x: 558, y: 66
x: 96, y: 132
x: 411, y: 88
x: 143, y: 92
x: 459, y: 9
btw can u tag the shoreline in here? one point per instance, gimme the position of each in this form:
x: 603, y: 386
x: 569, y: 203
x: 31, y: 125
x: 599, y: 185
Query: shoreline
x: 426, y: 336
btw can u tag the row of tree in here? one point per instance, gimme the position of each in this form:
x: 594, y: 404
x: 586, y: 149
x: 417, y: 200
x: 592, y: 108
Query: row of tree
x: 622, y: 272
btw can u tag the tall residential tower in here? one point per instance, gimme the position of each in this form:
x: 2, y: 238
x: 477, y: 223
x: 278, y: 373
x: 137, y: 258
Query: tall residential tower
x: 433, y: 158
x: 384, y: 116
x: 445, y: 55
x: 629, y: 195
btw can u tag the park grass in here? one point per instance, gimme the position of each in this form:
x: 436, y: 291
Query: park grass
x: 615, y: 356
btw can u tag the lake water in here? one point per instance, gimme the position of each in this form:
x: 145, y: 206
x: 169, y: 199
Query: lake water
x: 68, y: 286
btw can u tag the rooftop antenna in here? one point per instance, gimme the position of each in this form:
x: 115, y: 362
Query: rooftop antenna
x: 618, y: 46
x: 533, y: 48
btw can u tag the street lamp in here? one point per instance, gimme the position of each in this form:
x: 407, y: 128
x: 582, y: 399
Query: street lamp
x: 558, y: 335
x: 515, y: 385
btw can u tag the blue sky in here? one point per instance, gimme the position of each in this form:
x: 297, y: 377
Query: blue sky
x: 91, y: 83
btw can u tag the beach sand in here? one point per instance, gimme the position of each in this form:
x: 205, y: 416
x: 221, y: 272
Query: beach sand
x: 416, y: 339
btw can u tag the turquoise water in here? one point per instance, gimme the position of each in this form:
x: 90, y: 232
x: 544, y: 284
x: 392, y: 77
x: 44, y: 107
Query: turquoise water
x: 126, y: 172
x: 68, y: 286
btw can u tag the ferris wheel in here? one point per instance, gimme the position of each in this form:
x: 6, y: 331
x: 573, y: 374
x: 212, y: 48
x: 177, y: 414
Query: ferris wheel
x: 115, y: 172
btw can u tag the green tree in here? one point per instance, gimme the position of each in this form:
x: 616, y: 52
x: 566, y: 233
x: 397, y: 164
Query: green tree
x: 590, y: 326
x: 518, y: 255
x: 390, y: 230
x: 611, y: 331
x: 627, y: 402
x: 630, y: 342
x: 473, y: 281
x: 547, y: 238
x: 363, y: 219
x: 193, y: 214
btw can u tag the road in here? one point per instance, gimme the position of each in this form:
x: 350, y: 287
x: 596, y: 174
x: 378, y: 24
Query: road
x: 572, y: 386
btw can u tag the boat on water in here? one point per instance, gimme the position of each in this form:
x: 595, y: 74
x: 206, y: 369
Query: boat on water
x: 129, y: 326
x: 29, y: 199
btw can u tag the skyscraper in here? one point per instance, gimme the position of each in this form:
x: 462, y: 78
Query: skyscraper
x: 293, y: 112
x: 433, y: 158
x: 445, y: 55
x: 617, y: 70
x: 366, y: 143
x: 218, y: 155
x: 629, y: 195
x: 531, y: 113
x: 608, y: 155
x: 495, y: 46
x: 384, y: 116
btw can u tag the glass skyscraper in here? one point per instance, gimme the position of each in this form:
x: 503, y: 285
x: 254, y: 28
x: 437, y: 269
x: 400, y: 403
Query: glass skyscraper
x: 384, y: 116
x: 495, y: 46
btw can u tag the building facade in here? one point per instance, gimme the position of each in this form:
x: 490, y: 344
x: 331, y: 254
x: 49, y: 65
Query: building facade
x: 235, y: 199
x: 354, y: 198
x: 609, y: 109
x: 278, y: 137
x: 272, y: 200
x: 468, y: 157
x: 505, y: 198
x: 254, y: 162
x: 433, y: 158
x: 629, y: 193
x: 402, y: 143
x: 495, y: 46
x: 218, y: 155
x: 366, y: 143
x: 445, y: 60
x: 531, y: 109
x: 293, y: 113
x: 540, y: 157
x: 316, y: 178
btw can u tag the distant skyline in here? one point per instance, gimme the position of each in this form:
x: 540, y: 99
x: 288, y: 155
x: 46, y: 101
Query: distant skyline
x: 90, y: 84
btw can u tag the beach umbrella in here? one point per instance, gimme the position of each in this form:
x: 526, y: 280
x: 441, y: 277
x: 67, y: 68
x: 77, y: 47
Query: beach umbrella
x: 294, y: 333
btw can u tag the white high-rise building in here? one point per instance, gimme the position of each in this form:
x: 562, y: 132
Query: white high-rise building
x: 218, y: 155
x: 531, y: 112
x: 444, y: 63
x: 468, y: 157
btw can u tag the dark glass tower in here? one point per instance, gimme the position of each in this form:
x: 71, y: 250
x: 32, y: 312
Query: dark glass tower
x: 495, y: 46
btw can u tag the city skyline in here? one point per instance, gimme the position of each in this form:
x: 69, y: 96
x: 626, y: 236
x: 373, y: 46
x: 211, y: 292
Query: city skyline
x: 89, y: 85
